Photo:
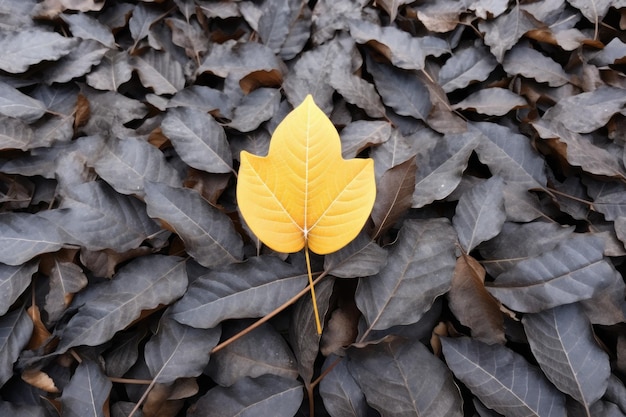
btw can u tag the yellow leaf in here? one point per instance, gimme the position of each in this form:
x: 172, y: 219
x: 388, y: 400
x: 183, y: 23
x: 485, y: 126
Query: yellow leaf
x: 303, y: 193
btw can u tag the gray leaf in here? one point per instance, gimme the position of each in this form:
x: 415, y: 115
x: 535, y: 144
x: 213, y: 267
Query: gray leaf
x: 502, y: 379
x: 15, y: 134
x: 87, y: 391
x: 391, y: 153
x: 382, y: 371
x: 402, y: 49
x: 238, y: 59
x: 113, y: 71
x: 557, y: 277
x: 84, y: 26
x: 126, y: 164
x: 510, y: 155
x: 199, y: 139
x: 598, y: 106
x: 341, y: 394
x: 203, y: 98
x: 310, y: 75
x: 250, y: 289
x: 401, y: 90
x: 303, y: 336
x: 24, y: 236
x: 440, y: 169
x: 466, y: 65
x: 480, y: 213
x: 208, y: 234
x: 360, y: 134
x: 394, y: 196
x: 562, y: 340
x: 262, y: 351
x: 14, y: 103
x: 66, y: 279
x: 77, y: 63
x: 283, y: 28
x: 144, y: 16
x: 255, y: 108
x: 517, y: 242
x: 159, y: 71
x: 419, y: 269
x: 179, y: 351
x: 140, y: 285
x: 502, y: 33
x: 526, y: 61
x: 267, y: 395
x: 492, y: 101
x: 31, y: 46
x: 15, y: 332
x: 360, y: 258
x: 98, y: 218
x: 13, y: 281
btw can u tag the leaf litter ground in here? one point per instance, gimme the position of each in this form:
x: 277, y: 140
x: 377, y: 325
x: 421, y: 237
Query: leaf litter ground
x: 492, y: 261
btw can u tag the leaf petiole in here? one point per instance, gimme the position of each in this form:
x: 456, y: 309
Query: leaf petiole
x: 313, y: 298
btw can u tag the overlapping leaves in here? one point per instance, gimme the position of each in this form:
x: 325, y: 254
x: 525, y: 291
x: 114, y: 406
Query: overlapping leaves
x: 496, y: 133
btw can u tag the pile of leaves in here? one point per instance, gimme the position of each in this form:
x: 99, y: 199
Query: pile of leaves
x: 488, y: 280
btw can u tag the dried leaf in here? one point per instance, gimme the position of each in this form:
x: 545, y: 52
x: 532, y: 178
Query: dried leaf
x: 466, y: 65
x: 397, y: 185
x: 179, y: 351
x: 199, y: 139
x: 262, y: 351
x: 502, y: 33
x: 381, y: 371
x: 598, y: 107
x: 136, y: 287
x: 439, y: 169
x: 526, y: 61
x: 15, y: 332
x: 403, y: 50
x: 480, y: 213
x: 22, y: 49
x: 87, y: 391
x: 502, y: 379
x: 13, y: 281
x: 250, y: 289
x: 491, y: 101
x: 208, y: 234
x: 419, y: 269
x: 545, y: 281
x: 14, y: 103
x: 24, y: 236
x: 159, y: 72
x: 360, y: 258
x: 341, y: 394
x: 263, y: 396
x: 255, y: 108
x: 562, y: 340
x: 472, y: 304
x: 401, y: 90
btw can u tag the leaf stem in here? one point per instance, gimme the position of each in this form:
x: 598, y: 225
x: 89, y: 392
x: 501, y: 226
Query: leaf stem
x: 312, y: 285
x: 268, y: 316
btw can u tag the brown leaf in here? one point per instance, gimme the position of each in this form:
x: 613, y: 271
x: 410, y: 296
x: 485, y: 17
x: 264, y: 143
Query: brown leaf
x: 40, y: 333
x: 341, y: 330
x: 40, y: 379
x: 394, y: 197
x: 472, y: 304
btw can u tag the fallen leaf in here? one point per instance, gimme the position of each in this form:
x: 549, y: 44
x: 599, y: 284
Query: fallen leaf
x: 303, y: 192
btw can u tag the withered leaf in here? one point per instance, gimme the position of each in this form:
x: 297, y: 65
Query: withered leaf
x: 502, y: 33
x: 403, y: 50
x: 395, y: 196
x: 468, y: 64
x: 472, y: 304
